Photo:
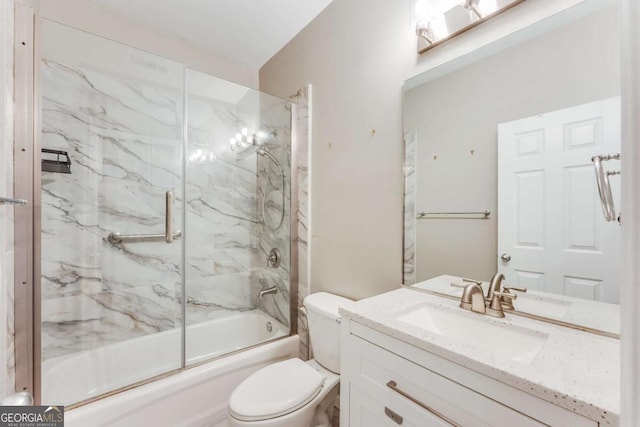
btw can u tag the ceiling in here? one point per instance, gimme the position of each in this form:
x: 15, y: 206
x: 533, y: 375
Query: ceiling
x: 246, y: 31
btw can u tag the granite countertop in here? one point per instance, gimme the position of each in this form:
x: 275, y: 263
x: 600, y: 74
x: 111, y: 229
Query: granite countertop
x: 575, y: 370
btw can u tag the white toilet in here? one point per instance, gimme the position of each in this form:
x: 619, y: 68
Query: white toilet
x: 294, y: 393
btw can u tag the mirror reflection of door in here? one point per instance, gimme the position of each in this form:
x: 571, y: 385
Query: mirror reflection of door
x: 556, y: 73
x: 551, y: 231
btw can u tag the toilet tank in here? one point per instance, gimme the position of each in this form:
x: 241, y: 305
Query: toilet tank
x: 324, y: 327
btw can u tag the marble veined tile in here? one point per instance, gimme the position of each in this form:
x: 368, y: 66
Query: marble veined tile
x: 409, y: 253
x: 275, y: 196
x: 301, y: 120
x: 124, y: 141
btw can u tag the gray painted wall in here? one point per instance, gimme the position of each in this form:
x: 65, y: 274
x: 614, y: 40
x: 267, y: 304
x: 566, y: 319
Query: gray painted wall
x: 357, y: 54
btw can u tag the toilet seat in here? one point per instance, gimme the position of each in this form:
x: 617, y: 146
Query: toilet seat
x: 276, y: 390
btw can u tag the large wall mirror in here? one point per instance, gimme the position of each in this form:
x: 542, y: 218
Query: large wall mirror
x: 499, y: 171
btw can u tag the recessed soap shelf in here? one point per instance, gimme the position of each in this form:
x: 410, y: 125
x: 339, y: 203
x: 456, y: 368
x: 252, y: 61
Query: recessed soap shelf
x: 61, y: 163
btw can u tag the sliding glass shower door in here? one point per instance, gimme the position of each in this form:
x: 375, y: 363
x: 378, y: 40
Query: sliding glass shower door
x: 237, y: 252
x: 112, y: 173
x: 166, y: 222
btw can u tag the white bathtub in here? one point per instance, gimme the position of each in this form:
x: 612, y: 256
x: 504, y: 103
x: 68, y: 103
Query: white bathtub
x: 194, y: 395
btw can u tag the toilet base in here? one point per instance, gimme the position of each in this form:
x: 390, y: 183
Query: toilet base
x: 324, y: 414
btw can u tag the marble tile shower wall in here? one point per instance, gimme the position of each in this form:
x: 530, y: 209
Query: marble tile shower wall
x: 275, y: 202
x: 301, y: 128
x: 124, y: 140
x: 410, y: 222
x: 222, y: 259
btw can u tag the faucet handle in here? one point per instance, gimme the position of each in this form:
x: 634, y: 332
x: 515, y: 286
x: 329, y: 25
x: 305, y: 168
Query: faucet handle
x: 495, y: 308
x: 505, y: 298
x: 513, y: 288
x: 505, y: 295
x: 472, y: 281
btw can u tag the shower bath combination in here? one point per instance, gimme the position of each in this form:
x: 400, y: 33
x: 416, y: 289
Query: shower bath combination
x: 146, y: 167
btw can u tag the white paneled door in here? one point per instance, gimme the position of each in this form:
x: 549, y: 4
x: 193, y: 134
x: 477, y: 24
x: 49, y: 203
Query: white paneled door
x: 551, y: 229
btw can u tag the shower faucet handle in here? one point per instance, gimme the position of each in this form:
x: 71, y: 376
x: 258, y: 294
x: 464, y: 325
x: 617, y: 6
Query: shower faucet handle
x: 274, y: 258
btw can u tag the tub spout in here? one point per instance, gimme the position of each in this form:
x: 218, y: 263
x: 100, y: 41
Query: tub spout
x: 271, y: 290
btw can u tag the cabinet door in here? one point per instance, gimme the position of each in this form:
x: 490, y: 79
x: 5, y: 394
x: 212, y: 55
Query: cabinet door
x: 368, y: 411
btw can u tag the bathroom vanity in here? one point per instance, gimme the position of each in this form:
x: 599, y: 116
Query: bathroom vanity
x: 409, y: 358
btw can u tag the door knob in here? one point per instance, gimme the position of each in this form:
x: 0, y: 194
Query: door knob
x: 505, y: 257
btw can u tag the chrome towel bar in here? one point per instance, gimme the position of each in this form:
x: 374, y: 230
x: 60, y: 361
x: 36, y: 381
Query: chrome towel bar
x: 424, y: 215
x: 169, y: 235
x: 604, y: 186
x: 7, y: 200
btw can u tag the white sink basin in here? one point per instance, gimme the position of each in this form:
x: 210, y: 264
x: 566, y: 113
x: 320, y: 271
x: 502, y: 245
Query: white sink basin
x: 505, y: 341
x: 542, y: 306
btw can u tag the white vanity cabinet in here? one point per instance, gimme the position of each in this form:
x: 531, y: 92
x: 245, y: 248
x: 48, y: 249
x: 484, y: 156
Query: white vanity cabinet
x: 387, y: 382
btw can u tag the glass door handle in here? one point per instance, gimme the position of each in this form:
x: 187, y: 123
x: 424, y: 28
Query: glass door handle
x: 168, y: 217
x: 169, y: 235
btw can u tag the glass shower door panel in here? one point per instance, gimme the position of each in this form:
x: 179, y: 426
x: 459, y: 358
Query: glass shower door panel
x: 237, y: 211
x: 111, y: 307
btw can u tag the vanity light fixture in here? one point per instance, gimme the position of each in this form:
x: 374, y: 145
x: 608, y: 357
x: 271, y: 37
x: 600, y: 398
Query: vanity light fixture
x: 440, y: 20
x: 246, y: 139
x: 424, y: 29
x: 472, y: 5
x: 242, y: 140
x: 201, y: 156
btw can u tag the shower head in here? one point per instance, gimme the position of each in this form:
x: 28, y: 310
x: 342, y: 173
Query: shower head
x: 263, y: 152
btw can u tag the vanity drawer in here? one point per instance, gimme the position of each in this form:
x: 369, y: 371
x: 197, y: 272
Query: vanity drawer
x: 381, y: 371
x: 371, y: 408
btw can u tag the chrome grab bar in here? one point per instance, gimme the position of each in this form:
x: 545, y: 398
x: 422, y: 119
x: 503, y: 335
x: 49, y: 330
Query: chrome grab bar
x: 604, y: 186
x: 169, y: 235
x: 7, y: 200
x: 394, y: 386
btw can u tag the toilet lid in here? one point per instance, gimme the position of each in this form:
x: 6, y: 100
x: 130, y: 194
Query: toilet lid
x: 275, y: 390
